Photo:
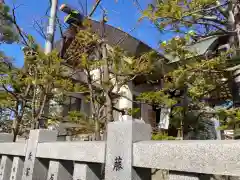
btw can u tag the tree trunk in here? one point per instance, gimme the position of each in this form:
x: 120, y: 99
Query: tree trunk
x: 106, y: 81
x: 15, y: 129
x: 97, y: 131
x: 108, y: 102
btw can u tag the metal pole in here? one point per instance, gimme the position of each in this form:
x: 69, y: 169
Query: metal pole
x: 49, y: 46
x: 51, y: 27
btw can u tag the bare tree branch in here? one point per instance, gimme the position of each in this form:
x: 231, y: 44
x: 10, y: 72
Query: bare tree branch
x: 221, y: 9
x: 213, y: 19
x: 80, y: 3
x: 49, y: 7
x: 40, y: 29
x: 136, y: 2
x: 206, y: 9
x: 209, y: 24
x: 10, y: 92
x: 14, y: 21
x: 94, y: 8
x: 123, y: 38
x: 60, y: 27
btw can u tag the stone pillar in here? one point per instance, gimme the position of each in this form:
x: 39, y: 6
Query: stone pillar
x: 17, y: 168
x: 5, y: 167
x: 119, y: 149
x: 6, y: 161
x: 86, y: 171
x: 57, y: 171
x: 34, y: 168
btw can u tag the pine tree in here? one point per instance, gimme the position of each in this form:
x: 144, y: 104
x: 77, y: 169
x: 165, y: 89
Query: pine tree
x: 42, y: 77
x: 193, y: 21
x: 115, y: 68
x: 8, y: 33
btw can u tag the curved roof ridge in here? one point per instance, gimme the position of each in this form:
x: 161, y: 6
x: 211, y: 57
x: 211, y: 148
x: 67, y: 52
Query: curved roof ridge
x: 114, y: 36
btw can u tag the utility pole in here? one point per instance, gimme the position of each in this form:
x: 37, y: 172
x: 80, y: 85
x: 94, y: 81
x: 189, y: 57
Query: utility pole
x: 51, y: 27
x: 49, y: 46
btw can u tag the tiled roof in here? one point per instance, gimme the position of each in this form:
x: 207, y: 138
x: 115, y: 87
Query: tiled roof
x: 115, y: 36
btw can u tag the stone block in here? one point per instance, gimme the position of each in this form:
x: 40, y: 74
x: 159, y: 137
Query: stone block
x: 5, y: 167
x: 206, y: 157
x: 86, y: 171
x: 5, y: 137
x: 17, y: 168
x: 57, y: 171
x: 87, y: 151
x: 120, y: 137
x: 34, y: 168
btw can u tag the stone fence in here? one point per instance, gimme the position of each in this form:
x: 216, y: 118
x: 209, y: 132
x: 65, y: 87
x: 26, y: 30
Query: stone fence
x: 128, y: 154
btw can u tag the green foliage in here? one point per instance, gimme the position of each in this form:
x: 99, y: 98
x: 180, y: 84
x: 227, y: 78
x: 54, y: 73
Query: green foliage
x: 178, y: 15
x: 9, y: 80
x: 162, y: 136
x: 133, y: 111
x: 186, y: 87
x: 86, y: 123
x: 86, y: 53
x: 198, y: 79
x: 45, y: 77
x: 27, y: 90
x: 229, y: 118
x: 157, y: 97
x: 78, y: 122
x: 7, y: 28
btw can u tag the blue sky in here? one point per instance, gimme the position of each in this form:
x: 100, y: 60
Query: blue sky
x: 121, y: 13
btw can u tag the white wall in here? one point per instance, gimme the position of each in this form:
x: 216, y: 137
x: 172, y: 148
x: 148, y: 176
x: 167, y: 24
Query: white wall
x: 124, y: 103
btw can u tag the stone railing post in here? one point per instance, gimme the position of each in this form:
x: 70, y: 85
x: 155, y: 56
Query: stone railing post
x: 6, y: 161
x: 119, y: 159
x: 35, y: 169
x: 84, y: 171
x: 59, y: 170
x: 17, y: 168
